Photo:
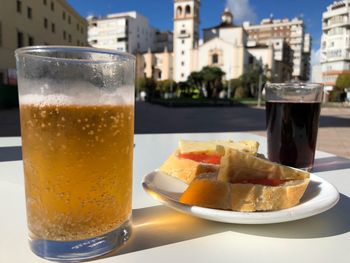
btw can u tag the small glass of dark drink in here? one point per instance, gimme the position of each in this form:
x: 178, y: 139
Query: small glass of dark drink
x: 292, y: 118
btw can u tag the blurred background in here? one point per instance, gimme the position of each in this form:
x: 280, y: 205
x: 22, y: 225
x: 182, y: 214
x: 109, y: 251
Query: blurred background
x: 201, y: 66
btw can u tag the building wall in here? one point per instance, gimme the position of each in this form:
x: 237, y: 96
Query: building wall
x: 126, y: 32
x: 158, y: 66
x: 231, y: 59
x: 61, y: 19
x: 265, y: 56
x: 335, y: 42
x: 292, y: 31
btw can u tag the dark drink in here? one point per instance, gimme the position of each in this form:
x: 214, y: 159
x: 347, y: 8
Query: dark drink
x: 292, y: 132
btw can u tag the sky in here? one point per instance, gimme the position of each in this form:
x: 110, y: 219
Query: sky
x: 160, y: 12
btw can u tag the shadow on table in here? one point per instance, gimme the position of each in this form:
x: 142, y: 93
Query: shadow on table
x: 330, y: 164
x: 159, y: 226
x: 13, y: 153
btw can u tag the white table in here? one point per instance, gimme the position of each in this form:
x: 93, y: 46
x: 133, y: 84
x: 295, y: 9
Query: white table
x: 163, y: 235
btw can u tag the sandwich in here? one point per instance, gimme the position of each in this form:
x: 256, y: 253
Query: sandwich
x: 193, y: 158
x: 247, y: 183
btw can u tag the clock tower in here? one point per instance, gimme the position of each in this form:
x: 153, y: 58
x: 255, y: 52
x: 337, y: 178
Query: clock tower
x: 186, y: 36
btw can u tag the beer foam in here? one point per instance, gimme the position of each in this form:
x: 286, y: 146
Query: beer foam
x: 79, y: 99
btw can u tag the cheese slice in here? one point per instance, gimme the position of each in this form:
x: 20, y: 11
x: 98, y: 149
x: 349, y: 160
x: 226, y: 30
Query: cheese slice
x: 210, y: 147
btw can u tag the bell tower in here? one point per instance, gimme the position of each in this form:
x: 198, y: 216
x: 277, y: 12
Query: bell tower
x: 186, y: 36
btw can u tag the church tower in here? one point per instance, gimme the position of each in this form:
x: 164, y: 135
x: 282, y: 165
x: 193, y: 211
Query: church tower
x: 186, y: 36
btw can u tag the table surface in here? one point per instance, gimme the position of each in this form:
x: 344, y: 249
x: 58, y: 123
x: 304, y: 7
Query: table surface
x: 164, y: 235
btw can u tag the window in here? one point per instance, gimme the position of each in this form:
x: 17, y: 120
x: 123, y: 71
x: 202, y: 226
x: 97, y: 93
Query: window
x: 78, y: 43
x: 122, y: 39
x: 81, y: 30
x: 94, y: 41
x: 182, y: 63
x: 182, y: 75
x: 159, y: 75
x: 30, y: 41
x: 29, y: 12
x: 77, y: 27
x: 183, y: 41
x: 46, y: 23
x: 188, y: 10
x: 70, y: 38
x: 182, y: 52
x: 69, y: 20
x: 19, y: 39
x: 53, y: 28
x: 45, y: 2
x: 52, y: 6
x: 19, y: 6
x: 215, y: 59
x: 64, y: 15
x: 183, y: 32
x: 64, y: 35
x: 250, y: 60
x: 179, y: 11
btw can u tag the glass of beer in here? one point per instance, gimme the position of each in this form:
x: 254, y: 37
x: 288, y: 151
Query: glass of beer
x: 292, y: 119
x: 77, y: 125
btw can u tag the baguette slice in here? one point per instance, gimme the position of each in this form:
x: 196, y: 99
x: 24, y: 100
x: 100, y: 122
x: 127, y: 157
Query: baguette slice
x: 243, y: 197
x: 186, y: 169
x: 247, y: 183
x: 237, y: 166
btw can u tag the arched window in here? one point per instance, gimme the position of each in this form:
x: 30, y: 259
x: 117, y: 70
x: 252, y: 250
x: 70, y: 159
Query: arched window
x: 188, y: 10
x: 179, y: 11
x: 215, y: 59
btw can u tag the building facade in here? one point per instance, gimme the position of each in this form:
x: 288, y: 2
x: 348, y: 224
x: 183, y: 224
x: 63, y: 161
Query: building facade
x: 156, y: 65
x: 335, y: 42
x: 293, y: 33
x: 36, y: 22
x: 224, y: 46
x: 126, y: 32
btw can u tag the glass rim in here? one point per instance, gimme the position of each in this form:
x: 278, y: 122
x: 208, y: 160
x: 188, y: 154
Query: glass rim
x: 307, y: 85
x: 116, y: 55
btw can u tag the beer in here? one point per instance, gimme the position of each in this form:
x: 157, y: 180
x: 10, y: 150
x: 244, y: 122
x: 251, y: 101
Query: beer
x: 78, y: 168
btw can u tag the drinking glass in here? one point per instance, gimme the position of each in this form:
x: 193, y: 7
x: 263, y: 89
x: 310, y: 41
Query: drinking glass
x: 77, y: 125
x: 292, y: 119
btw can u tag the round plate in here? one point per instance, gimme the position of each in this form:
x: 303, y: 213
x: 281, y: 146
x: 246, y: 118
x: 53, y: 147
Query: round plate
x: 319, y: 197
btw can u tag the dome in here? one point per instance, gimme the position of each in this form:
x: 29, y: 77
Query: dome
x: 227, y: 17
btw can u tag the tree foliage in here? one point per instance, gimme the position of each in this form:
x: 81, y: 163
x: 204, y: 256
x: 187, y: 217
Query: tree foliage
x: 210, y: 78
x: 165, y: 86
x: 250, y: 79
x: 343, y: 81
x: 148, y: 85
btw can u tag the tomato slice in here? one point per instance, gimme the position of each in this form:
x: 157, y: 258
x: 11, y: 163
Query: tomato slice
x: 262, y: 181
x: 201, y: 157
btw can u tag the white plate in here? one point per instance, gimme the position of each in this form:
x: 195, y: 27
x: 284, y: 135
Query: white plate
x: 319, y: 197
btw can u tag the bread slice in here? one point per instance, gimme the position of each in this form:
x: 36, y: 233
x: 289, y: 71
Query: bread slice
x: 185, y: 169
x: 210, y: 147
x: 248, y: 183
x: 237, y: 166
x: 243, y: 197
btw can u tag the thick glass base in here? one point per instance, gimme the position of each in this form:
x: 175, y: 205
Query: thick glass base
x: 81, y: 249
